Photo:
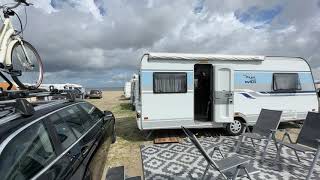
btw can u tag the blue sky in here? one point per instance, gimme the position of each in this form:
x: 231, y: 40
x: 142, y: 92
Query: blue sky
x: 100, y: 43
x: 258, y: 15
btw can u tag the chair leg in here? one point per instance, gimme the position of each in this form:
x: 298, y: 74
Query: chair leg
x: 245, y: 170
x: 266, y: 146
x: 217, y: 149
x: 205, y: 172
x: 295, y: 152
x: 221, y: 153
x: 235, y: 175
x: 275, y: 141
x: 252, y: 142
x: 239, y: 143
x: 279, y: 153
x: 314, y: 162
x: 276, y: 144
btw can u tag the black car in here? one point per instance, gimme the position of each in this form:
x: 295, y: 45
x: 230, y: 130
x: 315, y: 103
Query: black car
x: 57, y: 141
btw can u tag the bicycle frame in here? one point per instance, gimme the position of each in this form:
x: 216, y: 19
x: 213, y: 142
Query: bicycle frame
x: 7, y: 40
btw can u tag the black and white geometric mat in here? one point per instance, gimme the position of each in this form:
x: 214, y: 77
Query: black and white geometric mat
x: 183, y: 161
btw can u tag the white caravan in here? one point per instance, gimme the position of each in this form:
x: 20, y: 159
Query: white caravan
x: 134, y: 90
x: 63, y: 86
x: 211, y: 91
x: 66, y: 86
x: 127, y: 90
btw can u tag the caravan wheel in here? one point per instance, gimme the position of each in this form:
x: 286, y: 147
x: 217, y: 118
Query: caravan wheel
x: 235, y: 128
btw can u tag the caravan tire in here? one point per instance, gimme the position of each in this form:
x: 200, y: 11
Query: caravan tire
x: 235, y: 128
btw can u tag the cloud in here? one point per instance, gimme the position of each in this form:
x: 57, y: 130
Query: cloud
x: 93, y: 41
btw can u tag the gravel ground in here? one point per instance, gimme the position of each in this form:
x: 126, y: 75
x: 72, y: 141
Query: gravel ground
x: 126, y: 151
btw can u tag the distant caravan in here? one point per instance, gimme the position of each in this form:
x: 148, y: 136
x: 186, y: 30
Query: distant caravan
x: 127, y: 90
x: 221, y: 91
x: 134, y: 91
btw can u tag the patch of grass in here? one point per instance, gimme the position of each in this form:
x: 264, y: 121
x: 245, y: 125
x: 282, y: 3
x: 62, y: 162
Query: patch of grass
x: 123, y: 110
x: 126, y: 150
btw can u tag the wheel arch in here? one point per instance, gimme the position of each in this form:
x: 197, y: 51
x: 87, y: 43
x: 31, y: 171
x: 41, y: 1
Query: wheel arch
x: 241, y: 117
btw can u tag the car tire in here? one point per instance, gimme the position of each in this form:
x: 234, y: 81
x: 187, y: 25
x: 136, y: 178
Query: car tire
x: 114, y: 135
x: 88, y: 175
x: 235, y: 128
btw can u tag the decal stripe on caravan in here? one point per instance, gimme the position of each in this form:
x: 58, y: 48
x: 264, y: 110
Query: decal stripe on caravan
x: 261, y: 81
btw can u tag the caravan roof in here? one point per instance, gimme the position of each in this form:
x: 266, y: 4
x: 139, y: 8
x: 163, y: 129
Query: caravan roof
x: 207, y: 57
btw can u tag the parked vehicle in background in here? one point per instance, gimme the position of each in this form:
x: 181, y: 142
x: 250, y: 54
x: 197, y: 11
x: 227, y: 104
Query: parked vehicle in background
x: 95, y: 94
x: 77, y: 88
x: 76, y: 92
x: 86, y: 94
x: 134, y: 91
x: 127, y: 90
x: 212, y: 91
x: 57, y: 141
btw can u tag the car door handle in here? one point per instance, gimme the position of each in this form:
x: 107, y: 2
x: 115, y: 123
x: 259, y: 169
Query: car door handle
x: 84, y: 150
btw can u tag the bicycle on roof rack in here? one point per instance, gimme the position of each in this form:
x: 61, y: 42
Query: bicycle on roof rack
x: 18, y: 58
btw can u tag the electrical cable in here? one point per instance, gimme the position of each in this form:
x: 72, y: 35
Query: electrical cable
x: 26, y: 18
x: 21, y: 27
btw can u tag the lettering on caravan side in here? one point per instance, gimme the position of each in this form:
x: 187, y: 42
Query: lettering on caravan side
x: 250, y: 79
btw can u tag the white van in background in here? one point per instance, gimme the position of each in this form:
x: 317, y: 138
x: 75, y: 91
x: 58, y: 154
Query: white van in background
x: 211, y: 91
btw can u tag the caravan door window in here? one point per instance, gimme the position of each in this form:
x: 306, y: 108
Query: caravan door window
x: 286, y: 82
x: 168, y: 82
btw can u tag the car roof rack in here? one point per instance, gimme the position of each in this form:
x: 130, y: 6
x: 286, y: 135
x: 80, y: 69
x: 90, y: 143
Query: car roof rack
x: 6, y: 95
x: 17, y: 99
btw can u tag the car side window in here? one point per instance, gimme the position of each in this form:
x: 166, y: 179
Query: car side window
x: 93, y: 112
x: 64, y: 132
x: 27, y: 153
x: 72, y: 117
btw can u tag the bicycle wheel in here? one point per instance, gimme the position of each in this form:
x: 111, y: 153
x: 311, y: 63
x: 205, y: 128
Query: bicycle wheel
x: 25, y: 58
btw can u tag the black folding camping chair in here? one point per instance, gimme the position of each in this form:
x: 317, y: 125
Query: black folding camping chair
x: 229, y: 167
x: 308, y: 140
x: 265, y: 128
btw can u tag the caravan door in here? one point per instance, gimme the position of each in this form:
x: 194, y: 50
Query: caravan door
x: 223, y: 106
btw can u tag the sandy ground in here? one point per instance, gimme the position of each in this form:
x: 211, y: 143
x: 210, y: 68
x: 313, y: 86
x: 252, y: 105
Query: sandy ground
x: 126, y: 151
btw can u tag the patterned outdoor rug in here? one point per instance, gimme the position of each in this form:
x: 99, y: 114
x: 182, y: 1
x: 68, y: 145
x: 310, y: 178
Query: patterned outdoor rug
x: 183, y: 161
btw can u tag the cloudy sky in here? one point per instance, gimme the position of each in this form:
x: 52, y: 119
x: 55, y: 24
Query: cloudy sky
x: 99, y: 43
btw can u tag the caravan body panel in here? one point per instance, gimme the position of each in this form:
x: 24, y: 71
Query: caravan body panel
x: 252, y: 90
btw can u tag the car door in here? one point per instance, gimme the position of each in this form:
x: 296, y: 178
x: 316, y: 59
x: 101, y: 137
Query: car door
x: 68, y: 146
x: 28, y: 154
x: 93, y: 124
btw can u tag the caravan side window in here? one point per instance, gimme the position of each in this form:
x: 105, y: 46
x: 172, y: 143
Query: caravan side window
x: 168, y: 82
x: 286, y: 82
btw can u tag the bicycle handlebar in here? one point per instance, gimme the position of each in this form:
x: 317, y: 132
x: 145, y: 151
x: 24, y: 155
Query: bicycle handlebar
x: 19, y: 2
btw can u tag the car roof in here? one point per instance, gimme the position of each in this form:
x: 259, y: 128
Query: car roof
x: 15, y: 121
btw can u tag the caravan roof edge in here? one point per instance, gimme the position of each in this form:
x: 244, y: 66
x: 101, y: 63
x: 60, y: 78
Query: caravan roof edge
x: 206, y: 57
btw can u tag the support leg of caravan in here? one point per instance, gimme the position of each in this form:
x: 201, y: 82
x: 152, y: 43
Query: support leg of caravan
x: 147, y: 134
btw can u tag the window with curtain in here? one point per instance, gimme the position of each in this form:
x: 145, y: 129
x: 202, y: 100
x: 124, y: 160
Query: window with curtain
x: 286, y: 82
x: 169, y: 82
